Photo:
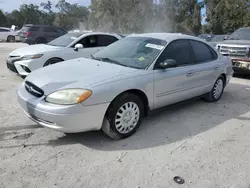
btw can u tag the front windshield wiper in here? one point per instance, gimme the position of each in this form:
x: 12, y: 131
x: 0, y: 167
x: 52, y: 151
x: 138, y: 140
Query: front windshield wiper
x: 106, y: 59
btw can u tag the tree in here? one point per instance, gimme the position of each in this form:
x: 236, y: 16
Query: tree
x: 47, y: 6
x: 71, y: 15
x: 3, y: 19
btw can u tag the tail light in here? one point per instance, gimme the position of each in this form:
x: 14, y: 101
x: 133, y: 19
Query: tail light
x: 28, y: 34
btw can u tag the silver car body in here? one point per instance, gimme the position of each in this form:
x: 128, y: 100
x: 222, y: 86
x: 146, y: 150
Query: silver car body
x: 107, y: 81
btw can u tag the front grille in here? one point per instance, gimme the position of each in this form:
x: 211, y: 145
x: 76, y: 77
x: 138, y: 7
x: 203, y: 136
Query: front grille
x: 11, y: 67
x: 234, y: 51
x: 14, y: 56
x: 33, y: 89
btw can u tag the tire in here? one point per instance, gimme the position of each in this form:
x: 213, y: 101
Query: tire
x: 11, y: 38
x: 215, y: 94
x: 41, y: 41
x: 52, y: 61
x: 123, y: 117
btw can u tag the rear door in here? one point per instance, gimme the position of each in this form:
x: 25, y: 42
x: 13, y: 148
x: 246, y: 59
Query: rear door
x: 207, y: 68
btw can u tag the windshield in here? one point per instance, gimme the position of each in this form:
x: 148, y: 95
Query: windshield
x: 135, y: 52
x: 218, y: 38
x: 65, y: 40
x: 240, y: 34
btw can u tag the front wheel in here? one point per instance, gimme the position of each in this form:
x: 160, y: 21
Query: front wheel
x: 11, y: 39
x: 123, y: 116
x: 215, y: 94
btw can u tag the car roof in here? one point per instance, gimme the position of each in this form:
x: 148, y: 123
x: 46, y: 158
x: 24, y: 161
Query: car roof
x: 166, y: 36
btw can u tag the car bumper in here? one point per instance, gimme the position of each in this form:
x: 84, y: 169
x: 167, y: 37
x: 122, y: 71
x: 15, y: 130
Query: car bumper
x: 241, y: 66
x: 24, y: 67
x: 26, y: 40
x: 63, y: 118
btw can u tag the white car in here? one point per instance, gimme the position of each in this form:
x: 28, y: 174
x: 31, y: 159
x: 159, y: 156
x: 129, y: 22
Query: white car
x: 69, y: 46
x: 7, y: 34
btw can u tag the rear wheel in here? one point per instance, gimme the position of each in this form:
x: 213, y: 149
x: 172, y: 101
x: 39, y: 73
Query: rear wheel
x: 10, y: 39
x: 41, y: 41
x: 215, y: 94
x: 52, y: 61
x: 123, y: 116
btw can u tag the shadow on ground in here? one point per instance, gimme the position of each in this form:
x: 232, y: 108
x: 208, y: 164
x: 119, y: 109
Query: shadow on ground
x: 167, y: 125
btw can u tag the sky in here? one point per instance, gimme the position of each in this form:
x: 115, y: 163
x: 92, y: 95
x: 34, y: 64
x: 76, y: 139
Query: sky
x: 9, y: 5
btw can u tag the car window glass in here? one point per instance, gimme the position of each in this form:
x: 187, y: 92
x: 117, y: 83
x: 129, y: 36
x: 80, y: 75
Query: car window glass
x: 201, y: 51
x: 33, y: 29
x: 179, y: 51
x: 89, y: 41
x: 105, y: 40
x: 4, y: 30
x: 50, y: 30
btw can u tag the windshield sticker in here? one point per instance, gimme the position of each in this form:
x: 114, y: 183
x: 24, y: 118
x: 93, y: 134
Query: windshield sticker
x: 141, y: 59
x: 73, y: 38
x: 155, y: 46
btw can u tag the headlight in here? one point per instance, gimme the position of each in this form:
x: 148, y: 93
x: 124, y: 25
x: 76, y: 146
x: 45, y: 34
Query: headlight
x: 28, y: 57
x: 68, y: 96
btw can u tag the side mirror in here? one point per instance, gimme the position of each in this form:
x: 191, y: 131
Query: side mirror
x: 169, y: 63
x: 225, y: 38
x: 78, y: 46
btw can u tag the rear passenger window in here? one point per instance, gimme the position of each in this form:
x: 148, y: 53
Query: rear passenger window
x: 33, y: 29
x: 50, y: 30
x: 179, y: 51
x: 202, y: 52
x: 105, y: 40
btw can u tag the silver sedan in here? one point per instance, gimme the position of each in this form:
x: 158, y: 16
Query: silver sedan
x: 115, y: 89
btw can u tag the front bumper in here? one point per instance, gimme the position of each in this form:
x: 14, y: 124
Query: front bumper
x: 24, y: 67
x: 63, y: 118
x: 241, y: 66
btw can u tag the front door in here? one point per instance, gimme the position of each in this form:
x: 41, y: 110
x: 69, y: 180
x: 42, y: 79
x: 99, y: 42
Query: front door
x: 175, y: 84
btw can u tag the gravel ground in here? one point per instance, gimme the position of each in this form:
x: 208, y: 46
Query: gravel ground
x: 206, y: 144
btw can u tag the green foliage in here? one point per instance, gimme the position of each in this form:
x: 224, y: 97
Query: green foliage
x: 225, y: 16
x: 136, y: 16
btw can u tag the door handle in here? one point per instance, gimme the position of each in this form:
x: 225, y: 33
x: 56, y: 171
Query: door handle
x: 190, y: 73
x: 216, y: 67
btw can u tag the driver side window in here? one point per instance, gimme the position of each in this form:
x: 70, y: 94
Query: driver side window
x: 179, y: 51
x: 89, y: 41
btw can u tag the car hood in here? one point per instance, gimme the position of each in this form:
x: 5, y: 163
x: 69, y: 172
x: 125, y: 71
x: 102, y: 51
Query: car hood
x: 34, y: 49
x: 236, y: 42
x: 77, y: 73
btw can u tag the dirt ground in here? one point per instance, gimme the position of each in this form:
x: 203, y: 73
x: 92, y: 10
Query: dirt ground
x: 206, y: 144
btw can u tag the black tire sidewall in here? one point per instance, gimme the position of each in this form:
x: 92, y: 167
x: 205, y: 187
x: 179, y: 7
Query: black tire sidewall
x: 117, y: 105
x: 10, y: 39
x: 40, y: 41
x: 47, y: 63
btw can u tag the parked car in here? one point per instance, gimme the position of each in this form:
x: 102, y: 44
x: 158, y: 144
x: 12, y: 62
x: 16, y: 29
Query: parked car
x: 217, y: 38
x: 117, y: 88
x: 40, y: 34
x: 205, y: 37
x: 237, y: 48
x: 69, y: 46
x: 7, y: 34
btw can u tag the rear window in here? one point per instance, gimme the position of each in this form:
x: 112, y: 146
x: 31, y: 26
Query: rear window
x: 31, y: 28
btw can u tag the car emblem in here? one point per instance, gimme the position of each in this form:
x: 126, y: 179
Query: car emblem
x: 232, y: 51
x: 31, y: 89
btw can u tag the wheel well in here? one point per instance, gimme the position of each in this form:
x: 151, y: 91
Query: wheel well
x: 225, y: 78
x: 140, y: 94
x: 45, y: 64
